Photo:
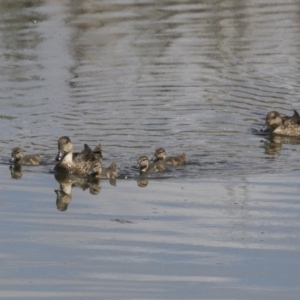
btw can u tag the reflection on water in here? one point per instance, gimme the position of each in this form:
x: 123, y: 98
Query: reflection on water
x: 274, y: 144
x: 16, y: 171
x: 272, y: 148
x: 67, y: 182
x: 142, y: 181
x: 207, y: 236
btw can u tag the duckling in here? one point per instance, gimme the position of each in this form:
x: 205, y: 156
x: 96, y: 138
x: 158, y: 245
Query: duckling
x: 80, y: 165
x: 286, y: 120
x: 18, y: 157
x: 98, y: 172
x: 160, y: 155
x: 289, y: 126
x: 145, y: 166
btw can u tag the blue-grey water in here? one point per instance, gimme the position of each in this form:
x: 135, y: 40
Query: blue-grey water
x: 191, y: 76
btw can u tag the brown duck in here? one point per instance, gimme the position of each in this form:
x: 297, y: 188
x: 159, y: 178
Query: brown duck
x: 86, y: 151
x: 276, y: 124
x: 80, y: 165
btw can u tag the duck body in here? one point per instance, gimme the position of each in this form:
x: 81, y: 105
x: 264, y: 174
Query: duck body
x: 18, y: 157
x: 160, y: 156
x: 80, y: 165
x: 288, y: 126
x: 145, y: 166
x: 287, y: 130
x: 292, y: 120
x: 98, y: 172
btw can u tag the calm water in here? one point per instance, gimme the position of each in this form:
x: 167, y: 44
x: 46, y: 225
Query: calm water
x: 191, y: 76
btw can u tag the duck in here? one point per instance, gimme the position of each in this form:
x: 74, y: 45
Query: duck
x: 98, y: 172
x: 80, y: 165
x: 288, y: 126
x: 161, y: 156
x: 86, y: 151
x: 145, y: 166
x: 286, y: 120
x: 18, y: 158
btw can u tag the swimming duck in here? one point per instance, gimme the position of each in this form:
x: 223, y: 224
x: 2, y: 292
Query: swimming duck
x: 160, y: 155
x: 289, y: 126
x: 86, y: 151
x: 286, y: 120
x: 97, y: 171
x: 80, y: 165
x: 18, y: 157
x: 146, y: 166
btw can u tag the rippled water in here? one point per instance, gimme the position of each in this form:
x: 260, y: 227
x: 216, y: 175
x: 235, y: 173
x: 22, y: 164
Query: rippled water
x: 190, y: 76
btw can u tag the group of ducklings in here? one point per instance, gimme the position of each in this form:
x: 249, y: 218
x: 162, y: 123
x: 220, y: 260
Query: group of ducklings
x: 89, y: 162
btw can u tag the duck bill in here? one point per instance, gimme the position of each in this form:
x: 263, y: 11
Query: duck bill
x: 265, y: 128
x: 60, y: 155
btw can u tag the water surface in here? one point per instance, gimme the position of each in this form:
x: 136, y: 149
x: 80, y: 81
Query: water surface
x: 136, y: 75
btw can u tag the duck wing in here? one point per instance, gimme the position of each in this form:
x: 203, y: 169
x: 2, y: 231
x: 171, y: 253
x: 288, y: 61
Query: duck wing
x: 293, y: 120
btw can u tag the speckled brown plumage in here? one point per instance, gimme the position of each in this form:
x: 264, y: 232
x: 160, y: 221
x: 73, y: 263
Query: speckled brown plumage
x: 277, y: 124
x: 80, y: 165
x: 18, y: 157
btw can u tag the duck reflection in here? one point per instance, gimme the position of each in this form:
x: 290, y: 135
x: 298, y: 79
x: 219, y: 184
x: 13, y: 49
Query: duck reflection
x: 67, y: 182
x: 16, y: 171
x: 274, y: 145
x: 62, y: 199
x: 272, y: 148
x: 142, y: 181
